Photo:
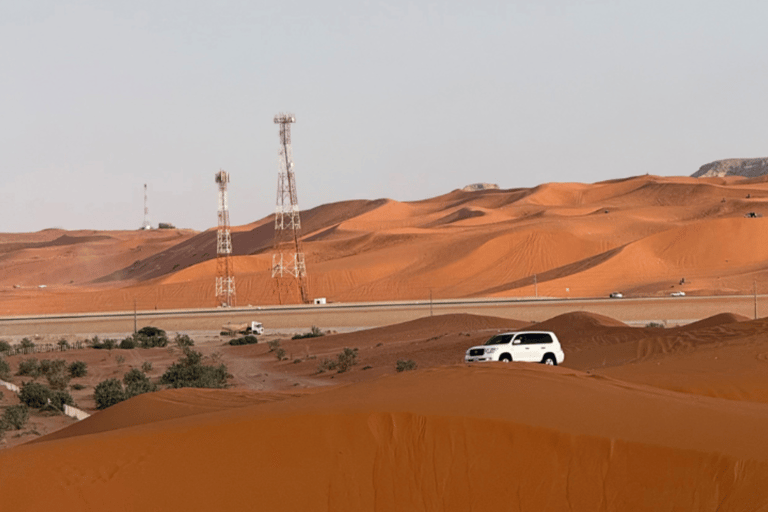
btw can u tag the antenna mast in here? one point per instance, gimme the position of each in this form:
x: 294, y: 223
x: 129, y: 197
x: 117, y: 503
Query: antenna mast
x: 288, y: 258
x: 146, y: 224
x: 225, y: 279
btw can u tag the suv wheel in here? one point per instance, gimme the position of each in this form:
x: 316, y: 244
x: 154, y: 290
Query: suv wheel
x: 550, y: 360
x: 506, y: 358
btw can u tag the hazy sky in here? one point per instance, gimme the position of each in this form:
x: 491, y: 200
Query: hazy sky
x: 397, y: 99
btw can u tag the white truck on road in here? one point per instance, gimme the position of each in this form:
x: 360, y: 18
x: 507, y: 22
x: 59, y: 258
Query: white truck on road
x: 246, y: 328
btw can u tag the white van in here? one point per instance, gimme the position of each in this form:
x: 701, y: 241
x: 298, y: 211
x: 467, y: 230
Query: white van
x: 531, y: 346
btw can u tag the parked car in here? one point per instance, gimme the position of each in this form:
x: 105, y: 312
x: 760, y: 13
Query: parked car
x: 617, y: 295
x: 531, y: 346
x: 677, y: 294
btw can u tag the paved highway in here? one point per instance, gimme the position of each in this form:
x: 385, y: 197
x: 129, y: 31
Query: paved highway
x: 634, y: 311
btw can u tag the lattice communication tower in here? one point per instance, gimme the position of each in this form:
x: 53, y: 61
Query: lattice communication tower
x: 146, y: 224
x: 288, y: 258
x: 225, y: 278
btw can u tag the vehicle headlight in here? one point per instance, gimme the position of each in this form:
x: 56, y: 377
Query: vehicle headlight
x: 491, y: 350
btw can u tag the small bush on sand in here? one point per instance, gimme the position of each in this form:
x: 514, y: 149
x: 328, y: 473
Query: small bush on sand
x: 107, y: 344
x: 280, y: 354
x: 4, y: 346
x: 58, y: 399
x: 146, y: 366
x: 314, y: 332
x: 183, y: 340
x: 35, y: 395
x: 5, y: 369
x: 14, y: 417
x: 405, y: 366
x: 128, y: 343
x: 137, y: 383
x: 655, y: 325
x: 326, y: 365
x: 77, y: 369
x: 250, y: 339
x: 29, y: 367
x: 273, y: 345
x: 347, y: 359
x: 150, y: 337
x: 108, y: 393
x: 189, y: 372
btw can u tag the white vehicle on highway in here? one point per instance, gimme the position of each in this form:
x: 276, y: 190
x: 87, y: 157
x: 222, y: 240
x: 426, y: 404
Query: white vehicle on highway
x: 530, y: 346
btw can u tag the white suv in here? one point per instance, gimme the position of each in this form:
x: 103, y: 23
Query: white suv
x: 531, y: 346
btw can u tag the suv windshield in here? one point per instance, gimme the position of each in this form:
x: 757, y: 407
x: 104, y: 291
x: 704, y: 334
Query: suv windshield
x: 499, y: 339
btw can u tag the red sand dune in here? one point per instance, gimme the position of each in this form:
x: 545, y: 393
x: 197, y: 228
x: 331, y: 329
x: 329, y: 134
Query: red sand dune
x: 454, y: 438
x: 636, y: 419
x: 579, y: 237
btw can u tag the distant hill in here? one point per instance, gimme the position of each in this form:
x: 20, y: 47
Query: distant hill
x: 746, y: 167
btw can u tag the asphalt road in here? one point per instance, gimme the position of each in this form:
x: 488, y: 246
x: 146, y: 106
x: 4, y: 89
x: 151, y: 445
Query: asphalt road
x: 634, y: 311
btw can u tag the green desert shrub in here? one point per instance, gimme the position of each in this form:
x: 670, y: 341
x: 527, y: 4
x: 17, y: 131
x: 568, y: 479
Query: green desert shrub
x: 35, y: 395
x: 273, y: 345
x: 326, y: 365
x: 48, y: 367
x: 314, y: 332
x: 58, y: 399
x: 280, y: 354
x: 55, y: 373
x: 250, y: 339
x: 14, y: 417
x: 128, y: 343
x: 77, y: 369
x: 108, y: 393
x: 4, y: 346
x: 58, y: 380
x: 151, y: 337
x: 27, y: 344
x: 107, y: 344
x: 5, y: 369
x: 29, y: 367
x: 190, y: 372
x: 347, y: 359
x: 404, y: 366
x: 137, y: 383
x: 183, y: 340
x: 146, y: 366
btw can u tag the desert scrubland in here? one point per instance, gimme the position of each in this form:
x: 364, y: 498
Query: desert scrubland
x: 636, y: 418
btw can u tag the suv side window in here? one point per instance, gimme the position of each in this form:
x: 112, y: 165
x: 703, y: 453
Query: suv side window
x: 533, y: 338
x: 524, y: 339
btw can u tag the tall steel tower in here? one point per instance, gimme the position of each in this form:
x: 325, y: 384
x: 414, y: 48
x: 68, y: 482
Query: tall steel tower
x: 288, y: 258
x: 225, y: 279
x: 146, y: 224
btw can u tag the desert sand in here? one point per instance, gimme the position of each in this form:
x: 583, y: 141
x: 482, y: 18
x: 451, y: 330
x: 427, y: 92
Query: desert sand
x: 636, y: 418
x: 570, y: 239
